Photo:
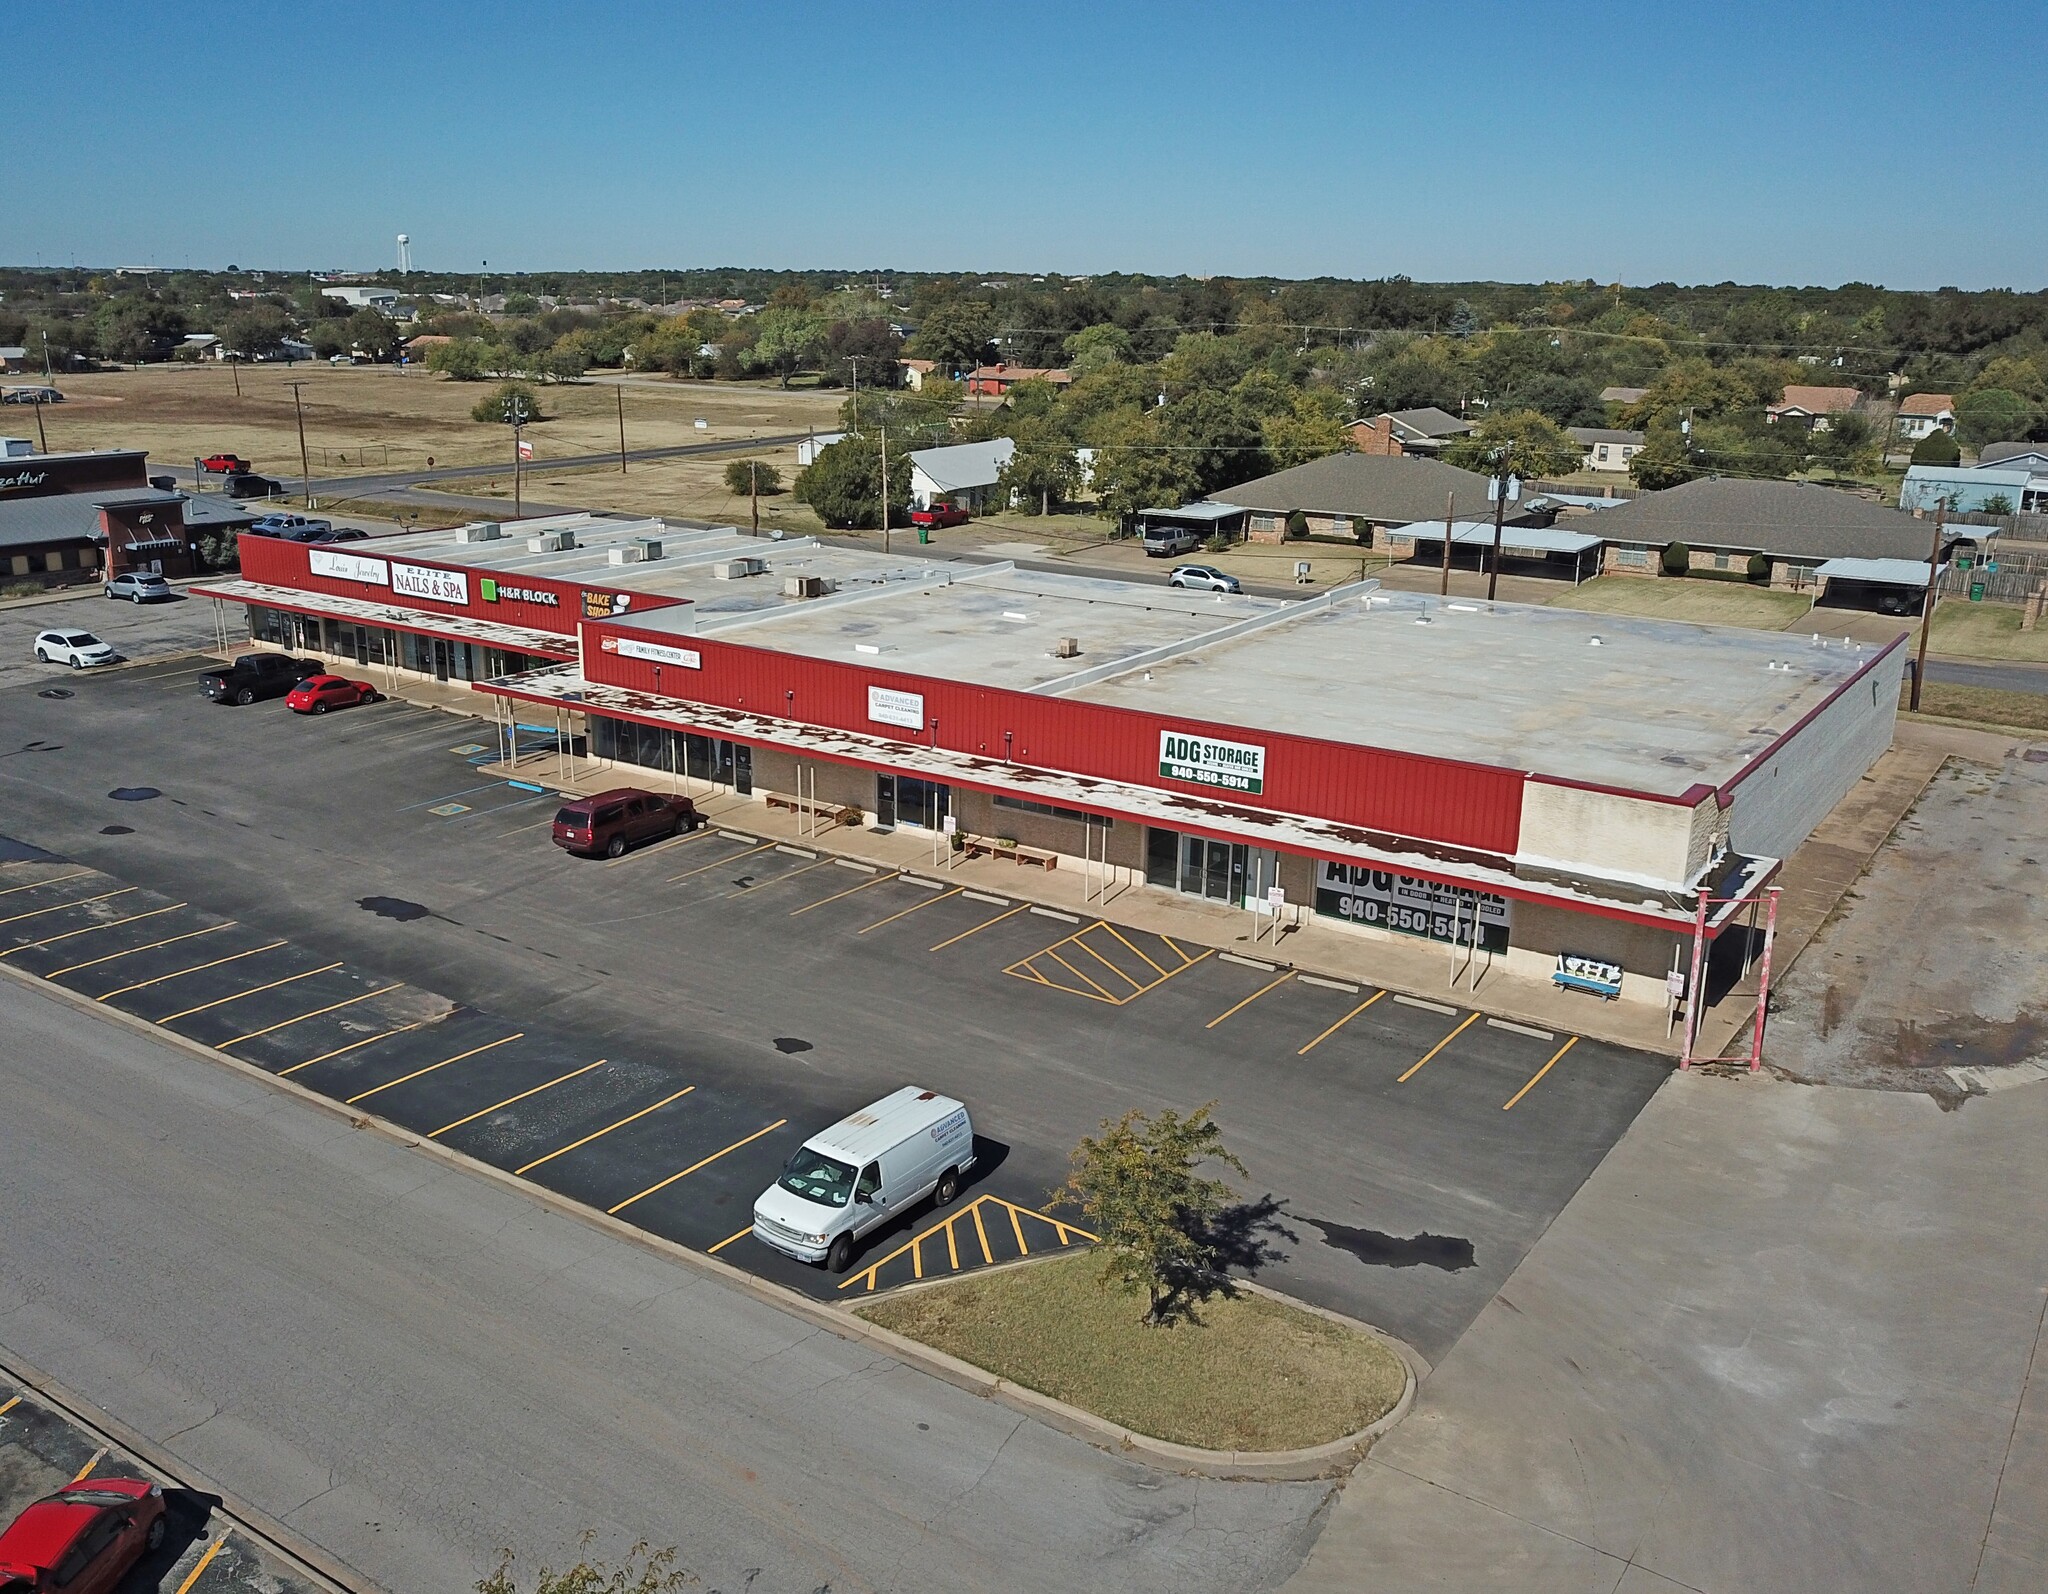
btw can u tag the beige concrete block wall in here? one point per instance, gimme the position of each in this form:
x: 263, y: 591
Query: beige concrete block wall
x: 1606, y: 834
x: 1542, y: 931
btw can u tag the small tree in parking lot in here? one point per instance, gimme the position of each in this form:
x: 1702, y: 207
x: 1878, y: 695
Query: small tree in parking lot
x: 1139, y: 1182
x: 645, y: 1570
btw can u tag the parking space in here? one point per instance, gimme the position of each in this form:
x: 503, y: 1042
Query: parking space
x: 43, y: 1450
x: 360, y: 909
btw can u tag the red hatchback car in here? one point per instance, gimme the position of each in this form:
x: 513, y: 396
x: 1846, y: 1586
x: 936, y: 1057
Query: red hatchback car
x: 316, y: 694
x: 83, y: 1539
x: 614, y: 820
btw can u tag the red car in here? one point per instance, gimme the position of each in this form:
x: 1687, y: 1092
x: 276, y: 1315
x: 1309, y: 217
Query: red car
x: 83, y: 1539
x: 940, y: 515
x: 614, y: 820
x: 316, y: 694
x: 224, y: 465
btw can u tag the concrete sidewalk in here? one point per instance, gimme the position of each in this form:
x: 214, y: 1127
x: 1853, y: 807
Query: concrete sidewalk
x: 1782, y: 1339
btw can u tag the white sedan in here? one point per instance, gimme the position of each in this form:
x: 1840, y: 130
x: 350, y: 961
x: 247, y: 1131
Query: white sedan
x: 75, y: 648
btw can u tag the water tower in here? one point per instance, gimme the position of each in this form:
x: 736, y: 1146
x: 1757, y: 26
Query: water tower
x: 404, y: 253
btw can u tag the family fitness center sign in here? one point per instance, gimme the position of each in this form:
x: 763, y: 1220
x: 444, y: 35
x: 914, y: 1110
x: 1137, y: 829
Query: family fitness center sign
x: 1203, y: 761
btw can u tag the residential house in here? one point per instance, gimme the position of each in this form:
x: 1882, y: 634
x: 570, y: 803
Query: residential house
x: 1606, y: 448
x: 2014, y: 456
x: 811, y: 447
x: 1623, y: 396
x: 1723, y: 523
x: 915, y: 371
x: 962, y: 474
x: 1422, y: 431
x: 1349, y: 495
x: 13, y: 359
x: 1922, y: 413
x: 2000, y: 489
x: 1811, y: 407
x: 385, y: 299
x: 997, y: 380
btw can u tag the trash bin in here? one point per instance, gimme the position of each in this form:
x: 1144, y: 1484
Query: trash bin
x: 1976, y: 592
x: 924, y: 534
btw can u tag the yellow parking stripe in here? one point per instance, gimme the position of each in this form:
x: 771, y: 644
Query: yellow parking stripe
x: 59, y: 907
x: 85, y: 1471
x: 893, y: 874
x: 1135, y: 985
x: 722, y: 862
x: 111, y: 924
x: 352, y: 1046
x: 1017, y: 1228
x: 720, y: 1246
x: 1247, y: 1002
x: 915, y: 1244
x: 1546, y: 1068
x: 1113, y: 930
x: 660, y: 846
x: 1347, y: 1018
x: 964, y: 934
x: 196, y: 968
x: 559, y: 1079
x: 607, y: 1129
x: 37, y: 885
x: 205, y: 1561
x: 787, y: 874
x: 111, y: 957
x: 257, y: 1034
x: 980, y: 1234
x: 443, y: 1063
x: 252, y: 991
x: 915, y: 907
x: 1063, y: 963
x: 9, y: 1404
x: 693, y: 1167
x: 1470, y: 1020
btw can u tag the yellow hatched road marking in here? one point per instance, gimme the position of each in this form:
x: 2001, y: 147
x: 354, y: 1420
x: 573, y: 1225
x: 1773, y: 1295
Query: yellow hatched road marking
x: 1017, y: 1228
x: 205, y: 1561
x: 607, y: 1129
x: 1347, y: 1018
x: 443, y: 1063
x: 194, y: 969
x: 1247, y: 1002
x: 722, y: 1244
x: 1011, y: 913
x: 559, y: 1079
x: 111, y: 924
x: 333, y: 1007
x: 1546, y: 1068
x: 693, y: 1167
x: 1470, y: 1020
x: 721, y: 863
x: 352, y: 1046
x: 1135, y: 985
x: 915, y: 907
x: 1113, y: 930
x: 980, y: 1233
x: 255, y: 990
x: 37, y: 885
x: 59, y: 907
x: 893, y: 874
x: 914, y: 1246
x: 1084, y: 979
x: 111, y: 957
x: 952, y: 1250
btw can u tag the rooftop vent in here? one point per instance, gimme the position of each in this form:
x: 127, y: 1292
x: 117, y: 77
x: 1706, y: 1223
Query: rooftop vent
x: 479, y: 531
x: 738, y: 569
x: 639, y: 551
x: 805, y: 586
x: 551, y: 542
x: 1594, y: 642
x: 1068, y: 647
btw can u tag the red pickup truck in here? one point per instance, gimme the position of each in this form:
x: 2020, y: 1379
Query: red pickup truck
x: 940, y: 515
x: 224, y: 465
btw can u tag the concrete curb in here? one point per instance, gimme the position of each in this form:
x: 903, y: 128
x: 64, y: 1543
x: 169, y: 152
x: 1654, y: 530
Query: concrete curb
x: 251, y: 1521
x: 1320, y: 1461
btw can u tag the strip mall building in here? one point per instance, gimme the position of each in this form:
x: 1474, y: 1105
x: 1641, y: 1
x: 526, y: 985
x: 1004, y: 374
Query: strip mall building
x: 1550, y: 784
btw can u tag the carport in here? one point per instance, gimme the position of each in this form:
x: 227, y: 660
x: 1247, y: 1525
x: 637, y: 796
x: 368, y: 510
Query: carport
x: 1890, y: 586
x: 1524, y: 550
x: 1204, y: 520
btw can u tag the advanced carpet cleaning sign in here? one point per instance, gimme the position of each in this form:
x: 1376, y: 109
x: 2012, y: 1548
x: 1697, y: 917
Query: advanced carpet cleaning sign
x: 1204, y: 761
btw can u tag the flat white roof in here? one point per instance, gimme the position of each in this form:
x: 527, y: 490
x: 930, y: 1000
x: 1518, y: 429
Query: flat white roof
x: 1899, y: 572
x: 1513, y: 539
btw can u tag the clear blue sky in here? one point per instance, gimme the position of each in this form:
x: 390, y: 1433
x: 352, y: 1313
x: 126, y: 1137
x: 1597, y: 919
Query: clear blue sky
x: 1781, y: 143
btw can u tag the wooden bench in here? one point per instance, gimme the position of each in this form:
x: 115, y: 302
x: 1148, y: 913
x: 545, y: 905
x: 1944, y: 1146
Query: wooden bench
x: 987, y: 847
x: 838, y: 813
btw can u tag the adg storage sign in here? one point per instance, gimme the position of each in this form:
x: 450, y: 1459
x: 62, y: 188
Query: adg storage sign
x: 1204, y: 761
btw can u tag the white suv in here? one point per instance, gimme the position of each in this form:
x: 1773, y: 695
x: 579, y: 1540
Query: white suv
x: 75, y: 648
x: 1203, y: 578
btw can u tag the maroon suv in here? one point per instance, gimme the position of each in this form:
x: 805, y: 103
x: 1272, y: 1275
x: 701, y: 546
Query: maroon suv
x: 614, y: 820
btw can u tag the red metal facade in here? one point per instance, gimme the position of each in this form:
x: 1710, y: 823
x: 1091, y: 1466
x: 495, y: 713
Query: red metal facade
x: 287, y: 564
x: 1465, y: 805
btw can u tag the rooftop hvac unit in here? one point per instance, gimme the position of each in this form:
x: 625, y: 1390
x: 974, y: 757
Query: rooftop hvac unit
x: 650, y: 547
x: 479, y: 531
x: 630, y: 554
x: 738, y: 569
x: 1068, y: 647
x: 551, y: 542
x: 805, y: 586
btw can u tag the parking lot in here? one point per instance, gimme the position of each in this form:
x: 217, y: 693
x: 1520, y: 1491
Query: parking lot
x: 349, y: 902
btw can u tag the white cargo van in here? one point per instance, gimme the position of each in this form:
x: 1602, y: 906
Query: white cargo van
x: 863, y: 1171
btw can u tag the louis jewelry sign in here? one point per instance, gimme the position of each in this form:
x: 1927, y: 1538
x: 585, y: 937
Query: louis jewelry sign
x: 347, y: 567
x: 1205, y: 761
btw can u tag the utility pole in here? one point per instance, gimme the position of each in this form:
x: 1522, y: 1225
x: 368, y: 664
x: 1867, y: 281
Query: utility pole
x: 305, y: 459
x: 754, y: 491
x: 42, y: 438
x: 48, y: 378
x: 1500, y: 511
x: 1450, y: 522
x: 885, y: 487
x: 1927, y: 602
x: 515, y: 412
x: 854, y: 361
x: 621, y: 391
x: 235, y: 367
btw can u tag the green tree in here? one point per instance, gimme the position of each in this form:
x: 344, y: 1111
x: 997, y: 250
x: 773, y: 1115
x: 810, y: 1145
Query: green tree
x: 1760, y: 568
x: 257, y: 330
x: 1677, y: 559
x: 790, y: 337
x: 510, y: 401
x: 1297, y: 525
x: 1998, y: 504
x: 464, y: 360
x: 745, y: 477
x: 1311, y: 428
x: 957, y: 333
x: 1992, y: 415
x: 1094, y: 347
x: 1044, y: 471
x: 1524, y: 443
x: 1153, y: 1210
x: 1936, y: 448
x: 1135, y: 472
x: 644, y: 1571
x: 844, y: 484
x: 521, y: 304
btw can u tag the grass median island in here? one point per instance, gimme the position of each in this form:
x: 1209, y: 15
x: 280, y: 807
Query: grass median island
x: 1255, y: 1375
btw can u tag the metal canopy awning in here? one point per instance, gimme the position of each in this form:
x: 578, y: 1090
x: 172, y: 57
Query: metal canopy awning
x: 1513, y: 539
x: 565, y: 687
x: 1892, y: 572
x: 454, y: 627
x: 1204, y: 513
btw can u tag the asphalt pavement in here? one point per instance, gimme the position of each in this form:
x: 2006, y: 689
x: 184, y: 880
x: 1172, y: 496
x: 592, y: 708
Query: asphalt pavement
x: 415, y: 1368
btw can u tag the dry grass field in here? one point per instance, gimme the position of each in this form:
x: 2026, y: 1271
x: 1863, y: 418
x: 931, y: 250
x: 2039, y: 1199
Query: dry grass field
x: 1701, y: 602
x: 690, y: 488
x: 369, y: 418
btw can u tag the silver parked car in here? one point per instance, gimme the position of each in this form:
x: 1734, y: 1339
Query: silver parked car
x: 140, y: 586
x: 1203, y: 578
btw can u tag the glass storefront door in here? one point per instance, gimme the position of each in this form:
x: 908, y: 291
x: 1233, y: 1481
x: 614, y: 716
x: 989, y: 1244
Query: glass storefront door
x: 906, y: 800
x: 1222, y: 871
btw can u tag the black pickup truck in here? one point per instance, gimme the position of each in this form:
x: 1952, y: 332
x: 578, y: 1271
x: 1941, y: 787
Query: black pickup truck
x: 255, y: 675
